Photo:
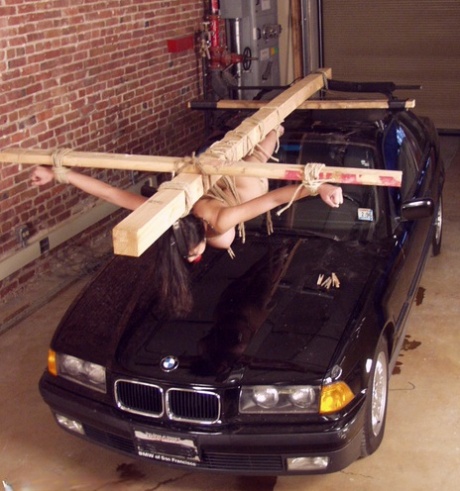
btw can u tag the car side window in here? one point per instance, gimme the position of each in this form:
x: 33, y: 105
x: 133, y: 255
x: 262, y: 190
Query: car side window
x: 401, y: 154
x: 417, y: 130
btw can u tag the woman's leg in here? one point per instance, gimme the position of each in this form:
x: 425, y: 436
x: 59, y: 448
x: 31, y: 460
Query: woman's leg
x: 251, y: 187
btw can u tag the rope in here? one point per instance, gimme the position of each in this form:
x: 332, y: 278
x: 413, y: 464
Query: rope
x: 277, y: 146
x: 206, y: 178
x: 225, y: 151
x: 60, y: 172
x: 250, y: 137
x: 19, y: 152
x: 325, y: 79
x: 180, y: 186
x: 311, y: 182
x: 232, y: 198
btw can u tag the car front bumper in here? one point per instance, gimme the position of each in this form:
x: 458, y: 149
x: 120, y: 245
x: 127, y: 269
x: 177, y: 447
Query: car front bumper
x: 254, y: 450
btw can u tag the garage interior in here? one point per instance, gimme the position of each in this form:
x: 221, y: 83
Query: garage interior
x: 408, y: 42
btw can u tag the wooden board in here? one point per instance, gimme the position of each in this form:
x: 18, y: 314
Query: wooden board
x: 143, y: 226
x: 93, y: 160
x: 133, y: 236
x: 307, y: 105
x: 213, y: 167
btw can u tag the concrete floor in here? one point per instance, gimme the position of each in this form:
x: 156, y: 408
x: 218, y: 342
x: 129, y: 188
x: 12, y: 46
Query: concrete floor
x: 420, y: 451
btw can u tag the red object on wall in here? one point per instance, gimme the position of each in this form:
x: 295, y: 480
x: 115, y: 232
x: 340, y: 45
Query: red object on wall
x: 180, y: 44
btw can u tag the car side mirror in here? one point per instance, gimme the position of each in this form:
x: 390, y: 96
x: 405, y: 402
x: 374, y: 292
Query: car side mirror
x: 417, y: 208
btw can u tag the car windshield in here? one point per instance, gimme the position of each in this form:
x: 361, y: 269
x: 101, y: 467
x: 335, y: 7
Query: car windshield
x: 353, y: 220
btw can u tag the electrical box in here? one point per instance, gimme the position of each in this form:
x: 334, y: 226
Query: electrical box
x: 253, y: 32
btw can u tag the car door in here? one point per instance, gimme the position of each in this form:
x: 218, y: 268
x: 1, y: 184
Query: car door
x: 403, y: 151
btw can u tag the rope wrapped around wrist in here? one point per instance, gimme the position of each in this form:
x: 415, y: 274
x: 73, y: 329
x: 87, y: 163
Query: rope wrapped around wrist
x: 60, y: 172
x: 311, y: 182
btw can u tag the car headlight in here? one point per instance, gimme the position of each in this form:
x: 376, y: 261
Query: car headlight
x: 335, y: 397
x: 263, y: 399
x: 77, y: 370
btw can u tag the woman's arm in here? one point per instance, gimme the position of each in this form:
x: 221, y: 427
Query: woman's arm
x: 125, y: 199
x: 43, y: 175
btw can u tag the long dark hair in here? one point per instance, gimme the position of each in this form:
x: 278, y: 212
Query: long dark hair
x: 172, y: 270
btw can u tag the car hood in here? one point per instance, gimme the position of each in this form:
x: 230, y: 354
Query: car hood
x: 257, y: 318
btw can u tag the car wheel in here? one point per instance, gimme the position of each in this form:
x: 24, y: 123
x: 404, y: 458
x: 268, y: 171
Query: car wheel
x: 376, y: 403
x: 437, y: 233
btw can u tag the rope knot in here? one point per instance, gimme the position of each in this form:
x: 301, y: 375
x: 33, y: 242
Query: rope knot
x: 311, y: 182
x: 180, y: 186
x: 60, y: 172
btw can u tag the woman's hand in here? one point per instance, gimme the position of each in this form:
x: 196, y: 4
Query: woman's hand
x: 331, y: 195
x: 41, y: 176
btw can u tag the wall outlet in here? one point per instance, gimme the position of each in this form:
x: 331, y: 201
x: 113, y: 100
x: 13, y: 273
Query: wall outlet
x: 23, y: 234
x: 44, y: 245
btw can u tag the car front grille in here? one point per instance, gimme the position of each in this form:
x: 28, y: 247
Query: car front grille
x: 242, y: 462
x: 198, y: 406
x: 139, y: 398
x: 192, y: 405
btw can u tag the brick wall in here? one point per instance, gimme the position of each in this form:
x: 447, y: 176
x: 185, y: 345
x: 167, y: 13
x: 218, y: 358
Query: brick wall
x: 94, y: 76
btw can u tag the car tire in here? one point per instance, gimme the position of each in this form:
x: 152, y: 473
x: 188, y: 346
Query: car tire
x: 437, y: 230
x: 376, y: 401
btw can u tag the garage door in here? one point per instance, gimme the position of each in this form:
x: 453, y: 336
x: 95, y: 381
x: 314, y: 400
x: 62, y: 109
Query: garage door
x: 413, y: 42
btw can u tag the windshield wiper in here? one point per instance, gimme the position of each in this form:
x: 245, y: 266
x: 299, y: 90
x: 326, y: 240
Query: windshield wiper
x: 321, y: 235
x: 309, y: 233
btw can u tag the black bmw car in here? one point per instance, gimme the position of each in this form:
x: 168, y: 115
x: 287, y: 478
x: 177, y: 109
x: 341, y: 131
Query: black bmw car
x: 283, y: 365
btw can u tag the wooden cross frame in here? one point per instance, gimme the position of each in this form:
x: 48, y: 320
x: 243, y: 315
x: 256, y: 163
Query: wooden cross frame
x: 146, y: 224
x: 326, y: 104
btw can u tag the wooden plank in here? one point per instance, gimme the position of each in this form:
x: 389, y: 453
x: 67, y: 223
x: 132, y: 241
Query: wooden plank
x: 130, y: 237
x: 213, y: 167
x: 307, y: 105
x: 240, y: 142
x: 97, y: 160
x: 146, y: 224
x: 368, y: 177
x: 139, y: 230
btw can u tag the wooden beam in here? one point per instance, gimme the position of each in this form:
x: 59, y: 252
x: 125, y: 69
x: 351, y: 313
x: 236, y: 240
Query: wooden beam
x: 140, y: 229
x: 215, y: 167
x: 136, y: 233
x: 96, y: 160
x: 240, y: 142
x: 307, y: 105
x: 132, y: 236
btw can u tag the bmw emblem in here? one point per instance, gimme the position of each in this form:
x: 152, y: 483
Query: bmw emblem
x: 169, y: 363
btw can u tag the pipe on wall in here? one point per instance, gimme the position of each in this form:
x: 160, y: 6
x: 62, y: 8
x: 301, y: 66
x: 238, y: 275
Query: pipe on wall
x: 311, y: 35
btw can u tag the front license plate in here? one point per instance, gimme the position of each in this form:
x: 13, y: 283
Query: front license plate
x: 166, y: 448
